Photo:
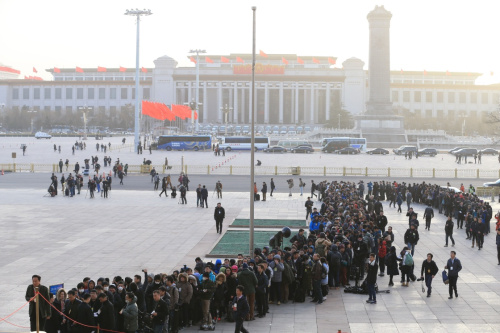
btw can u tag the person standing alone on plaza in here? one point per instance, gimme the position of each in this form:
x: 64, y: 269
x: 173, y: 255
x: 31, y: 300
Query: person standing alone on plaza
x: 453, y: 266
x: 430, y: 269
x: 204, y: 197
x: 272, y: 187
x: 218, y: 187
x: 371, y: 279
x: 219, y: 215
x: 428, y: 215
x: 43, y: 306
x: 301, y: 186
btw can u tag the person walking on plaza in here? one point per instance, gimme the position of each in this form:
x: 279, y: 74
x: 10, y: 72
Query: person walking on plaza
x: 60, y: 165
x: 198, y: 195
x: 182, y: 189
x: 454, y: 266
x: 429, y: 270
x: 301, y: 186
x: 309, y: 204
x: 240, y: 309
x: 411, y: 238
x: 219, y: 215
x: 218, y: 188
x: 164, y: 187
x: 264, y: 191
x: 448, y: 229
x: 371, y: 279
x: 272, y: 187
x: 313, y: 189
x: 428, y: 215
x: 204, y: 197
x: 44, y: 309
x: 290, y: 186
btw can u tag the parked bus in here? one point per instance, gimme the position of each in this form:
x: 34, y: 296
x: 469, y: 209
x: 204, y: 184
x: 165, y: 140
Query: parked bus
x: 342, y: 142
x: 289, y: 144
x: 184, y: 142
x: 243, y: 143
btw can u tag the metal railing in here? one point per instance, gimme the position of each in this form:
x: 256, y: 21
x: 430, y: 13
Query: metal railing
x: 272, y: 170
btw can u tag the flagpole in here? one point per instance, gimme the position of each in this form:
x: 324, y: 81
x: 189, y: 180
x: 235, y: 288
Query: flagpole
x: 252, y: 147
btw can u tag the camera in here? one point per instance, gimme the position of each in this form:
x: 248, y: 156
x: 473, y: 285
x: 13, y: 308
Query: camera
x: 289, y: 181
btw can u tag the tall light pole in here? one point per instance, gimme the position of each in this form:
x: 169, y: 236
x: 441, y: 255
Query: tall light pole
x: 194, y: 107
x: 137, y: 13
x: 226, y: 109
x: 197, y: 93
x: 32, y: 112
x: 84, y: 109
x: 252, y: 146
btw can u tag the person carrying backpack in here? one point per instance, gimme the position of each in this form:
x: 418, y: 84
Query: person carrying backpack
x: 322, y: 245
x: 406, y: 266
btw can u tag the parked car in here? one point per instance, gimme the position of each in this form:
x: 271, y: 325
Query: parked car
x: 302, y: 149
x: 489, y: 151
x: 466, y: 152
x: 377, y: 151
x: 405, y: 149
x: 348, y: 151
x: 428, y: 152
x: 452, y: 151
x: 275, y: 149
x: 42, y: 135
x: 492, y: 184
x: 453, y: 189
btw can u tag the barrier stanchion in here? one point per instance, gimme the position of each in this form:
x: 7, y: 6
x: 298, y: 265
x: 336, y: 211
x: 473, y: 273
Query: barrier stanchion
x: 37, y: 309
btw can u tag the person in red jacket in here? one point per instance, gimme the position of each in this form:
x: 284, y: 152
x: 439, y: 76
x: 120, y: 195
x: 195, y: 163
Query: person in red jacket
x: 382, y: 252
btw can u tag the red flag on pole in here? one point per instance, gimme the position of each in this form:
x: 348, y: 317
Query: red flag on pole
x: 207, y: 59
x: 238, y: 59
x: 316, y: 61
x: 300, y: 61
x: 192, y: 59
x: 262, y: 54
x: 332, y: 61
x: 283, y: 60
x: 78, y: 69
x: 57, y: 70
x: 25, y: 77
x: 144, y: 70
x: 224, y: 59
x: 101, y: 69
x: 34, y: 70
x: 195, y: 115
x: 425, y: 72
x: 123, y: 69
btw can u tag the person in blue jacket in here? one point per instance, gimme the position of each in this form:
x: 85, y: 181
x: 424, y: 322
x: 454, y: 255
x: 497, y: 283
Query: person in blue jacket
x: 453, y: 266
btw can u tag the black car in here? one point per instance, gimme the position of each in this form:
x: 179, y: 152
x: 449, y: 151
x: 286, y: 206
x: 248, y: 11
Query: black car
x: 377, y: 151
x: 275, y: 149
x: 348, y: 151
x: 427, y: 152
x: 302, y: 149
x: 489, y: 151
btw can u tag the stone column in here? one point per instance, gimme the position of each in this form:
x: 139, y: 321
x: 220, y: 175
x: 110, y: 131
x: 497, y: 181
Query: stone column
x: 327, y: 102
x: 379, y: 62
x: 312, y: 104
x: 205, y: 105
x: 266, y: 104
x: 219, y: 102
x: 281, y: 103
x: 235, y: 103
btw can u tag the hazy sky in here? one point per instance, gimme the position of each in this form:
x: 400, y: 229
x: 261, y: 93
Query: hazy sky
x: 433, y: 35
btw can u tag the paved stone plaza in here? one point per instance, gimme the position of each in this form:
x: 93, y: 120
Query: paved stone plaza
x: 65, y: 239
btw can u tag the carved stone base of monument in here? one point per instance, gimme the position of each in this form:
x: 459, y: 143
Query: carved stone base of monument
x: 385, y: 131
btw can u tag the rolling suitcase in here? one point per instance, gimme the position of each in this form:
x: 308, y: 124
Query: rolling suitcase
x: 257, y: 197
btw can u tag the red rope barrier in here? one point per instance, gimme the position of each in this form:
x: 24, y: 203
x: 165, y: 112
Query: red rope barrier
x: 8, y: 322
x: 74, y: 321
x: 5, y: 319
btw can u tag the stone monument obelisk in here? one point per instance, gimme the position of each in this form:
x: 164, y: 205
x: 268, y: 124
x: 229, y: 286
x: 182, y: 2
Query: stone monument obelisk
x: 379, y: 124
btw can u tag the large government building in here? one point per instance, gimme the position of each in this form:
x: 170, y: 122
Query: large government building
x: 290, y: 89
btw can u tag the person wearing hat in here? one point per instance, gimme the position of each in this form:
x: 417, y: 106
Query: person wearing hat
x: 248, y: 280
x: 106, y: 313
x: 264, y: 191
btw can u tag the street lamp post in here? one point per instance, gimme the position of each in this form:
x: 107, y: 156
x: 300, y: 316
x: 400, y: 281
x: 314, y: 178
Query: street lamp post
x: 32, y: 112
x: 84, y: 109
x: 197, y: 93
x: 194, y: 107
x: 252, y: 153
x: 226, y: 109
x: 137, y: 13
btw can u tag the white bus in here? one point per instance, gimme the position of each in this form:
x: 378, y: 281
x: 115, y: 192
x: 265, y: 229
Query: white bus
x: 243, y: 143
x: 342, y: 142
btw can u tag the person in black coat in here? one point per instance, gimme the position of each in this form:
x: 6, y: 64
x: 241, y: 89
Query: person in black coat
x: 106, y: 313
x: 71, y: 311
x: 453, y: 266
x: 264, y: 191
x: 85, y: 316
x: 240, y: 309
x: 392, y: 264
x: 43, y: 308
x: 160, y: 311
x: 371, y: 279
x: 261, y: 290
x: 204, y: 197
x: 448, y: 229
x: 430, y: 269
x: 219, y: 215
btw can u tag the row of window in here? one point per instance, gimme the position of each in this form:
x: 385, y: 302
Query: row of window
x: 451, y: 97
x: 101, y: 78
x: 59, y: 108
x: 469, y: 82
x: 102, y: 93
x: 450, y: 113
